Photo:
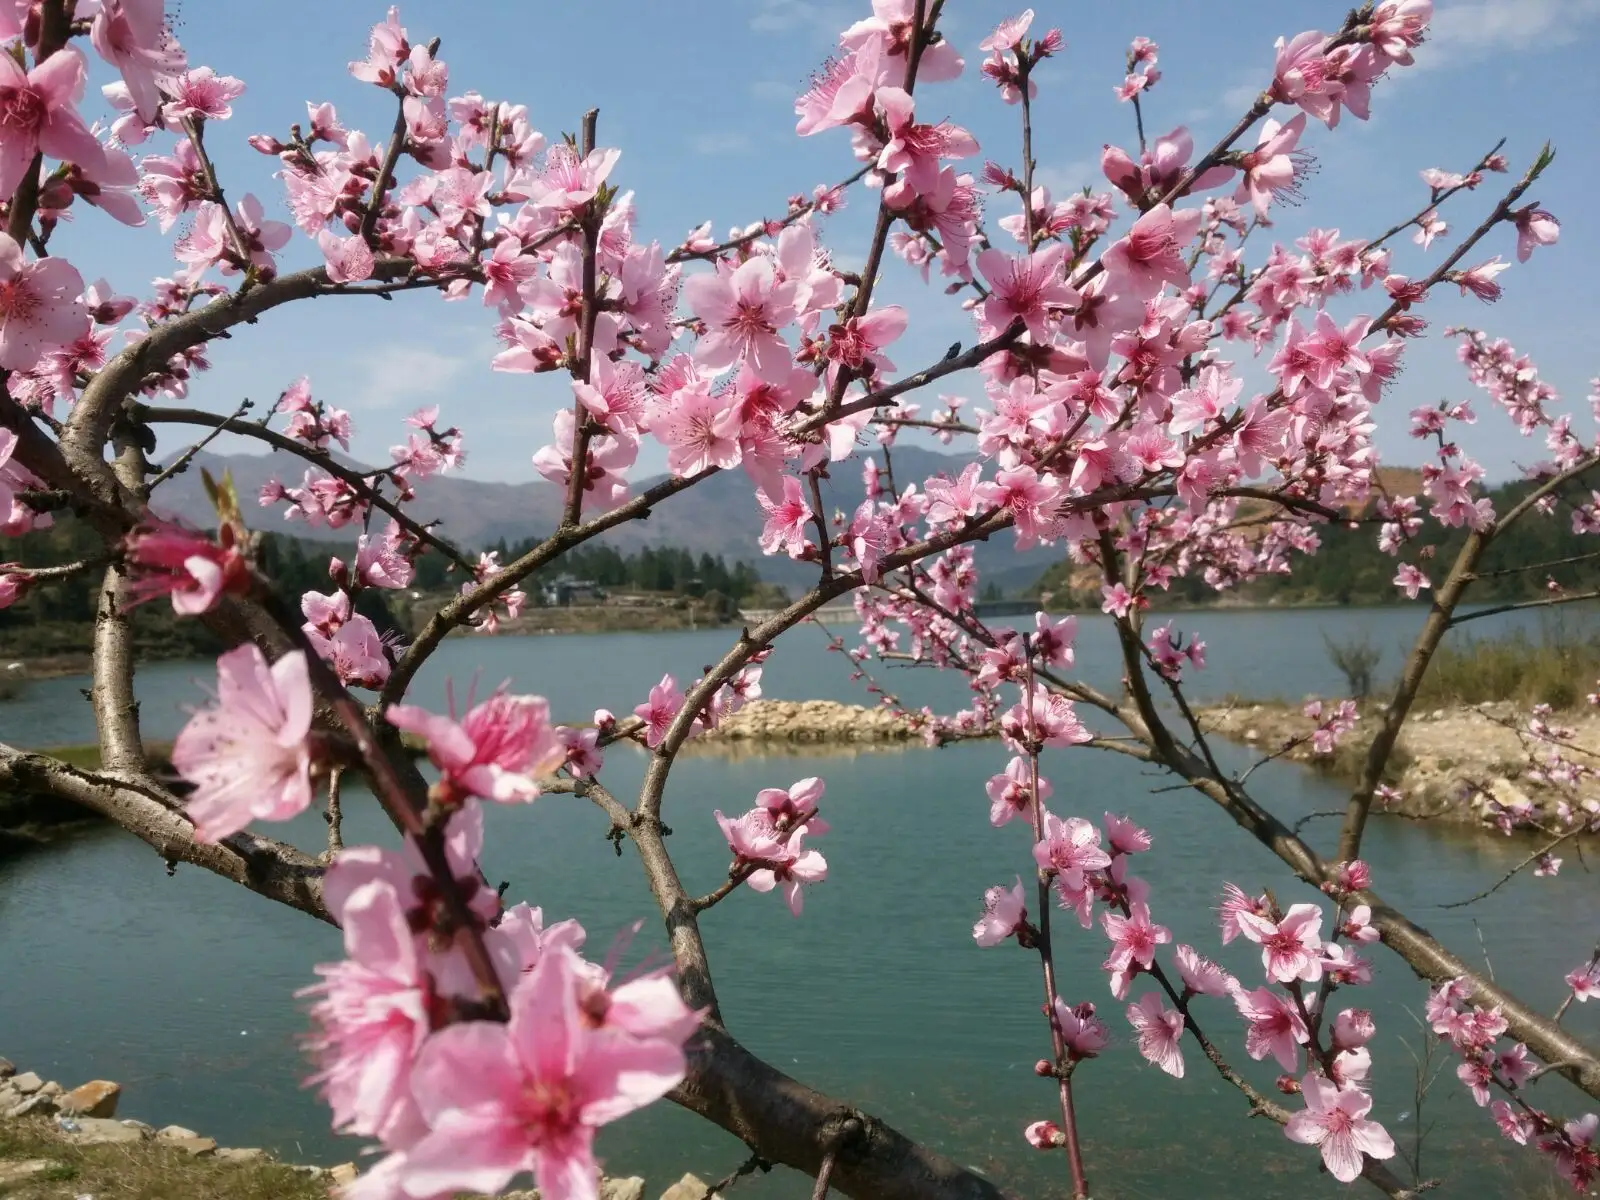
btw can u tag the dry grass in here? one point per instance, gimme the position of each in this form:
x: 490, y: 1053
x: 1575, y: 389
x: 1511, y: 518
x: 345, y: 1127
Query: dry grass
x: 141, y: 1171
x: 1559, y: 667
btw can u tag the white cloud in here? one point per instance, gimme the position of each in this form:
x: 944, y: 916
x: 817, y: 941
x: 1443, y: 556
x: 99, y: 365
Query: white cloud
x: 789, y: 16
x: 1068, y: 177
x: 1465, y: 31
x: 1232, y: 102
x: 719, y: 143
x: 400, y: 375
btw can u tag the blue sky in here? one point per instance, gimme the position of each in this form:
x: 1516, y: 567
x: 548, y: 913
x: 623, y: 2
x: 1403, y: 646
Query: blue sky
x: 698, y: 94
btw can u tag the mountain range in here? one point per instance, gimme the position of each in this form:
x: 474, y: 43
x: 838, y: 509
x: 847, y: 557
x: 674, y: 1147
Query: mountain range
x: 717, y: 516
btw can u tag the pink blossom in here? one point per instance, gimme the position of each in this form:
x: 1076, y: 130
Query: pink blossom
x: 658, y: 712
x: 1160, y: 1031
x: 1134, y: 938
x: 1334, y: 1118
x: 248, y: 754
x: 1358, y: 925
x: 132, y: 36
x: 1235, y: 903
x: 841, y: 92
x: 13, y: 581
x: 1030, y: 497
x: 348, y: 259
x: 1117, y: 600
x: 354, y: 651
x: 1011, y: 793
x: 529, y: 1095
x: 1275, y: 1026
x: 776, y: 853
x: 743, y: 312
x: 786, y: 522
x: 185, y: 564
x: 1070, y: 844
x: 387, y: 49
x: 1291, y: 948
x: 203, y: 93
x: 38, y: 114
x: 1025, y: 288
x: 1084, y: 1034
x: 1200, y: 974
x: 372, y: 1017
x: 383, y: 562
x: 498, y: 750
x: 1535, y: 227
x: 39, y: 306
x: 1150, y: 254
x: 867, y: 539
x: 1515, y: 1124
x: 700, y: 429
x: 1585, y: 981
x: 858, y: 342
x: 1270, y: 167
x: 1005, y: 914
x: 916, y: 150
x: 609, y: 457
x: 795, y: 805
x: 1352, y: 1029
x: 1577, y: 1159
x: 1125, y: 837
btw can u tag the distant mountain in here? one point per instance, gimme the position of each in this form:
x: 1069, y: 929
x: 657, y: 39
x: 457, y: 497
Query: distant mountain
x: 717, y: 516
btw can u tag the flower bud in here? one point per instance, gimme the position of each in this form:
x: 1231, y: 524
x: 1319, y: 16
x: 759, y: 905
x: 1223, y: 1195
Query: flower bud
x: 1044, y: 1135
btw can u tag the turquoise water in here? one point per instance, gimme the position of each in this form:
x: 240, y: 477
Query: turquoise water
x: 181, y: 988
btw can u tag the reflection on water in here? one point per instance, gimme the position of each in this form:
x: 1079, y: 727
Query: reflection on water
x: 183, y: 988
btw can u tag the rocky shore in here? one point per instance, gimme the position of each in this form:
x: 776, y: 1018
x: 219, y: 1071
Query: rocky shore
x: 1451, y: 764
x: 70, y: 1143
x: 812, y: 721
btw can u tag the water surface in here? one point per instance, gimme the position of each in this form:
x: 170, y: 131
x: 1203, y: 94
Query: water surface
x: 182, y: 988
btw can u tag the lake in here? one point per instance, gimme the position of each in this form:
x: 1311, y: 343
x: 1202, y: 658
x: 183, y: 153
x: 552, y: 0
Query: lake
x: 182, y: 988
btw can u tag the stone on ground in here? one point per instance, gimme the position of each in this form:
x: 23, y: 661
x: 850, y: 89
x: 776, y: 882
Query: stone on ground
x: 194, y: 1147
x: 690, y: 1187
x: 101, y: 1131
x: 246, y: 1154
x: 344, y: 1173
x: 7, y: 1068
x: 97, y: 1098
x: 35, y: 1105
x: 27, y: 1083
x: 631, y: 1188
x: 175, y: 1133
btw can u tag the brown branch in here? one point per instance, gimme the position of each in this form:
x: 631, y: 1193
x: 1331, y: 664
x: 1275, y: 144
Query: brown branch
x: 194, y: 130
x: 391, y: 159
x: 272, y: 869
x: 712, y: 253
x: 318, y: 458
x: 1532, y: 858
x: 1441, y: 617
x: 1545, y: 602
x: 582, y: 424
x: 181, y: 463
x: 98, y: 405
x: 1437, y: 199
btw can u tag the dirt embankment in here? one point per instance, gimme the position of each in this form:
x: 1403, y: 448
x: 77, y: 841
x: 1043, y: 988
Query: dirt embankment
x: 1450, y: 763
x: 812, y: 721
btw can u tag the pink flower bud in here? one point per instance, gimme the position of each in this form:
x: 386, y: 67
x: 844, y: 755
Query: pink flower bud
x: 1044, y: 1135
